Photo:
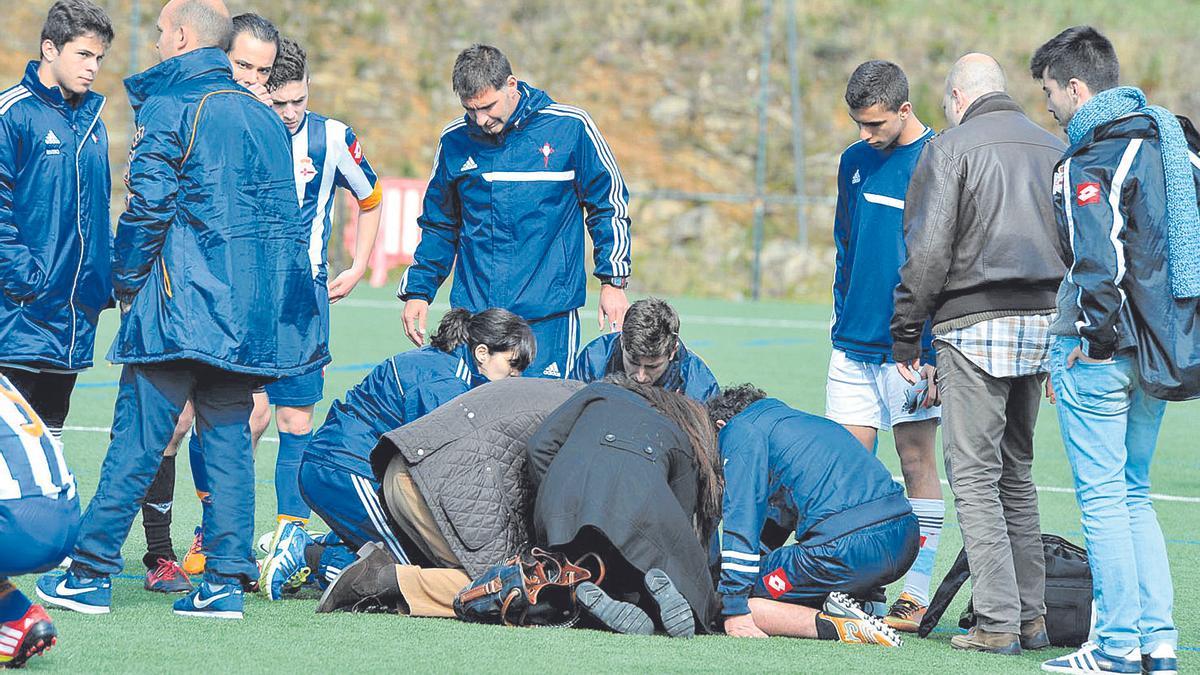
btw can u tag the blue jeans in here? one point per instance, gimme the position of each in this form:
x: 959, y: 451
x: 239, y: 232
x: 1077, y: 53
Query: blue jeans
x: 149, y: 400
x: 1110, y: 428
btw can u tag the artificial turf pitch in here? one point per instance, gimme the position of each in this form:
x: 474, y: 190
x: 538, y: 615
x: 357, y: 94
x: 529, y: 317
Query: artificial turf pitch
x: 783, y: 348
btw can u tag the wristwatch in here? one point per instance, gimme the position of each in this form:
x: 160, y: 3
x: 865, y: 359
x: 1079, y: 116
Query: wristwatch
x: 616, y: 282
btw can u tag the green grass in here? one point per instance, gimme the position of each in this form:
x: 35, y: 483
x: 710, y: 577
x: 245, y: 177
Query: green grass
x: 787, y: 359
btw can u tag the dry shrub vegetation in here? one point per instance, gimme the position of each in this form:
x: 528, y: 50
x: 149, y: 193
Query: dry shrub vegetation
x: 673, y: 85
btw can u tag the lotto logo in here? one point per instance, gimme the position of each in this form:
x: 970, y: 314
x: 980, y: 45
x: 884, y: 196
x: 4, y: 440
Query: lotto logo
x: 1087, y: 193
x: 777, y: 583
x: 356, y: 152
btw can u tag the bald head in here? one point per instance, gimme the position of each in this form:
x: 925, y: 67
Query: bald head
x: 187, y: 25
x: 972, y: 76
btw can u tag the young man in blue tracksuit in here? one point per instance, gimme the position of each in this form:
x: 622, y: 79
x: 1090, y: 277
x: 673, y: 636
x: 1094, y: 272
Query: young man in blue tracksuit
x: 39, y: 517
x: 55, y: 240
x: 505, y: 208
x: 791, y: 473
x: 336, y: 479
x: 649, y: 350
x: 216, y: 292
x: 865, y: 392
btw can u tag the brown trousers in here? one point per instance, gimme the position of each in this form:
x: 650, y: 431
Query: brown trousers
x: 428, y: 591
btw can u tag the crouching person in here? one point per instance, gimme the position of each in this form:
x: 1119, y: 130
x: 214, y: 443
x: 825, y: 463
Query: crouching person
x: 454, y: 488
x: 787, y: 471
x: 336, y: 480
x: 648, y: 349
x: 628, y: 471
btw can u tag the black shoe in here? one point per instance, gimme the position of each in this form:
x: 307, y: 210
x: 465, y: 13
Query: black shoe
x: 617, y: 616
x: 366, y: 585
x: 673, y: 609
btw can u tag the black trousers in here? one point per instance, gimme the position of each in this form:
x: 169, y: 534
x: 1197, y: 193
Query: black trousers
x: 48, y: 393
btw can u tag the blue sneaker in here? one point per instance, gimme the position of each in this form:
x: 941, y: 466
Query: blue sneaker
x: 334, y: 559
x: 284, y: 568
x: 87, y: 595
x: 1091, y: 659
x: 215, y: 601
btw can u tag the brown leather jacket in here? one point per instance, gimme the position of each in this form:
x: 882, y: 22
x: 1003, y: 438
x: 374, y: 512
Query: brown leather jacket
x: 979, y: 224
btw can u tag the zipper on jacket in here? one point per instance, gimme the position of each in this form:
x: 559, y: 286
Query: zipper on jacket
x: 79, y: 146
x: 166, y: 278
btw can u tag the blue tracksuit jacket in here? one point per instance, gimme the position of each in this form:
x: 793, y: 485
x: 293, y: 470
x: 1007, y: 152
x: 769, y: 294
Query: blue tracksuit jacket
x: 800, y: 473
x: 869, y: 235
x: 506, y: 212
x: 55, y: 239
x: 687, y: 373
x: 212, y: 252
x: 396, y: 392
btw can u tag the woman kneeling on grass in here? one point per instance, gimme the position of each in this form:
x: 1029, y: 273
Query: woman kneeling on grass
x: 630, y: 472
x: 336, y: 479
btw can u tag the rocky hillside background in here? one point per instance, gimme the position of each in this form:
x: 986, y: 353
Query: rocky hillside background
x: 672, y: 84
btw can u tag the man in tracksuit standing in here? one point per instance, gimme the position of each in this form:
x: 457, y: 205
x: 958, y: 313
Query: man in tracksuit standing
x: 211, y: 269
x: 505, y: 209
x: 55, y: 240
x: 790, y: 473
x: 1124, y: 338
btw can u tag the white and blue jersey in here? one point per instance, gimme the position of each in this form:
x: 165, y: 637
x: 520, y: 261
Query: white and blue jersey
x: 869, y: 235
x: 31, y: 460
x: 326, y: 155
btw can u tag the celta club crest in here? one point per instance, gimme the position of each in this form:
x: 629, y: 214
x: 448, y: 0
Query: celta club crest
x: 546, y: 151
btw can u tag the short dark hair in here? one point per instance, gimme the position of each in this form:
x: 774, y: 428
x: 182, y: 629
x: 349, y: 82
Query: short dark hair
x: 291, y: 64
x: 1081, y: 53
x: 258, y: 27
x: 478, y: 68
x: 497, y: 329
x: 733, y: 400
x: 873, y: 82
x: 650, y: 329
x: 71, y: 19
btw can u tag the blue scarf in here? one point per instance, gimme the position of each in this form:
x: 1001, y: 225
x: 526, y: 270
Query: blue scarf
x: 1183, y: 216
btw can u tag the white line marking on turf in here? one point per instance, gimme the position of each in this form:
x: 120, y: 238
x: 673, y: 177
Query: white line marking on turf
x: 898, y: 479
x: 802, y: 324
x: 1070, y: 491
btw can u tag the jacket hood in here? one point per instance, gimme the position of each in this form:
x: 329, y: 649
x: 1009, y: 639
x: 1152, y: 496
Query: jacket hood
x: 53, y: 95
x: 993, y: 102
x: 532, y: 100
x: 189, y: 66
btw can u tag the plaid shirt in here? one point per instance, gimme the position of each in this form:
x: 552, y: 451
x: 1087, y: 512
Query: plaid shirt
x: 1007, y: 346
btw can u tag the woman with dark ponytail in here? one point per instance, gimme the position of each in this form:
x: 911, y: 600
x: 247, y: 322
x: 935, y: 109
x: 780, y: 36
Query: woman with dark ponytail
x: 631, y: 472
x: 336, y: 479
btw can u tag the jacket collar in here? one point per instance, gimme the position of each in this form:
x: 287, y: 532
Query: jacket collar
x: 53, y: 95
x: 468, y: 369
x: 988, y: 103
x: 189, y: 66
x: 532, y: 101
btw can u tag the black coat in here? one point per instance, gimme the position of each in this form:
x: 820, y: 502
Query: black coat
x: 608, y: 460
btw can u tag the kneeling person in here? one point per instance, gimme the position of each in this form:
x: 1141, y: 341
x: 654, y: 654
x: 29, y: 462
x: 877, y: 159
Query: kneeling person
x: 39, y: 518
x: 787, y: 471
x: 454, y: 483
x: 649, y: 351
x: 335, y: 475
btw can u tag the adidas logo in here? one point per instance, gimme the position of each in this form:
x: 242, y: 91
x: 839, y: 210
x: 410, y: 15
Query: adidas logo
x: 552, y: 370
x: 51, y: 139
x: 856, y: 179
x: 469, y: 165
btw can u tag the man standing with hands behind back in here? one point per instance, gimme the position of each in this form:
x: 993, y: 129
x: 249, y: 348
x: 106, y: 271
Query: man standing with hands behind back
x: 505, y: 207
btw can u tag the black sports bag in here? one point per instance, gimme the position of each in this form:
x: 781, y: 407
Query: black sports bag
x: 1068, y: 594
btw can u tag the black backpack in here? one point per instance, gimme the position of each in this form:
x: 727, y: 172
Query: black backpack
x: 1068, y: 594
